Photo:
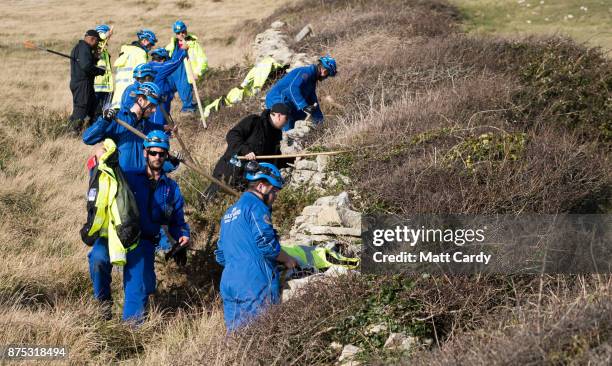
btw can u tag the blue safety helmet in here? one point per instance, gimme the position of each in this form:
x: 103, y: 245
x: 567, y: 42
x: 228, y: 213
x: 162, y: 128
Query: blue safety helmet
x: 269, y: 172
x: 147, y: 34
x: 179, y: 26
x: 157, y: 138
x: 161, y: 53
x: 329, y: 63
x: 143, y: 70
x: 149, y: 90
x: 102, y: 29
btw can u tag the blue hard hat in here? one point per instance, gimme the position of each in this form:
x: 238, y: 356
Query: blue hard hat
x: 149, y: 90
x: 143, y: 70
x: 157, y: 138
x: 329, y: 63
x: 179, y: 26
x: 102, y: 28
x: 160, y: 52
x: 147, y: 34
x: 265, y: 171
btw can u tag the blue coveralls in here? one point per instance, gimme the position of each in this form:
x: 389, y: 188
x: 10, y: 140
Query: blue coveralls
x: 159, y: 203
x: 248, y: 248
x: 298, y: 90
x: 129, y: 95
x: 162, y: 76
x: 180, y: 83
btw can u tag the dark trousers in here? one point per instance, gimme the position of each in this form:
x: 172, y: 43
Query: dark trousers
x: 83, y: 102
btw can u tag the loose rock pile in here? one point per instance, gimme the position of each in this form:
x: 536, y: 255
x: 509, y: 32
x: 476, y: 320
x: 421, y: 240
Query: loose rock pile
x: 273, y: 42
x: 328, y: 218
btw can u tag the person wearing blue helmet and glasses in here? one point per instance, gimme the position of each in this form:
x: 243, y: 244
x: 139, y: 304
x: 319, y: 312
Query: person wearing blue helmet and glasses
x: 159, y: 202
x: 298, y: 89
x: 249, y: 249
x: 147, y: 98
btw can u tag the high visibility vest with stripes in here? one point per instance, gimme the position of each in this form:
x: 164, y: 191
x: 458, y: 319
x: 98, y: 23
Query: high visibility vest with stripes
x: 107, y: 216
x: 130, y: 57
x: 104, y: 83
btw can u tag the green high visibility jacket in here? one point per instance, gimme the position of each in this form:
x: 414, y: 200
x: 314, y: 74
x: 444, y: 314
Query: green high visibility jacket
x: 318, y: 257
x: 234, y: 96
x: 131, y: 55
x: 257, y: 76
x: 197, y: 57
x: 214, y: 106
x: 113, y: 212
x: 104, y: 83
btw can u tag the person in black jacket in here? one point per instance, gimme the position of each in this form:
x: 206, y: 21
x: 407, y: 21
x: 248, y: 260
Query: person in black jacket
x: 83, y: 70
x: 254, y: 135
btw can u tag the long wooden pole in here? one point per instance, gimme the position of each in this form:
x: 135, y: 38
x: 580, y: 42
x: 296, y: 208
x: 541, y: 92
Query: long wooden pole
x: 195, y: 90
x: 300, y: 155
x: 177, y: 134
x: 188, y: 164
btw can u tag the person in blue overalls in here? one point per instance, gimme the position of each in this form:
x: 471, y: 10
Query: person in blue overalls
x: 249, y: 249
x: 160, y: 202
x: 298, y: 89
x: 164, y: 66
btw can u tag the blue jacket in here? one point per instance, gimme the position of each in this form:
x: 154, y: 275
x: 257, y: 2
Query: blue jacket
x: 165, y: 69
x: 248, y: 248
x: 127, y: 100
x: 296, y: 89
x: 130, y: 146
x: 159, y: 203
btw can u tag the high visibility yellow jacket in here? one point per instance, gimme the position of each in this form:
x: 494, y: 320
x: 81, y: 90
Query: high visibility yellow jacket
x: 318, y: 257
x: 234, y: 96
x: 131, y: 55
x: 197, y: 57
x: 107, y: 216
x: 214, y: 106
x: 104, y: 83
x: 257, y: 76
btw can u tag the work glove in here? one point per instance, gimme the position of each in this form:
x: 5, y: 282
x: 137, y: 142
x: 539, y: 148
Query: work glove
x: 180, y: 257
x: 109, y: 114
x: 310, y: 109
x: 176, y: 157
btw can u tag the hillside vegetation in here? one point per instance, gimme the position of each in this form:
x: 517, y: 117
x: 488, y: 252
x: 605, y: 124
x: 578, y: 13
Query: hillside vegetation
x: 441, y: 122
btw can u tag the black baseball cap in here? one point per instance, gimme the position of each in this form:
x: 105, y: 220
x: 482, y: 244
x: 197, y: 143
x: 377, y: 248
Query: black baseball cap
x: 92, y: 33
x: 281, y: 108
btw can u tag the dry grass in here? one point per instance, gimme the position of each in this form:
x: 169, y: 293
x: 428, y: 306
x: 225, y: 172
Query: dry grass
x: 413, y: 87
x: 32, y: 79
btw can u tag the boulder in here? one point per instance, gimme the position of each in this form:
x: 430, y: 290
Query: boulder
x: 347, y: 357
x: 329, y: 230
x: 301, y: 177
x: 328, y: 216
x: 307, y: 165
x: 303, y: 33
x: 400, y: 341
x: 350, y: 218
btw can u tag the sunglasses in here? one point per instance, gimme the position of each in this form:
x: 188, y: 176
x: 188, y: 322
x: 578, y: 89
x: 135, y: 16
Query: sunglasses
x: 162, y: 154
